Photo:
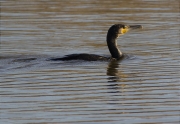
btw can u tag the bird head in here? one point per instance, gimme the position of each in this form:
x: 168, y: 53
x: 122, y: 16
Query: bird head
x: 117, y: 30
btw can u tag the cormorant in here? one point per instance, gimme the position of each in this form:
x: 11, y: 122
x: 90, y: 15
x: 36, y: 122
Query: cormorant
x: 113, y: 33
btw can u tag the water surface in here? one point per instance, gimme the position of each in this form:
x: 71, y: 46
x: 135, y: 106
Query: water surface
x: 143, y: 88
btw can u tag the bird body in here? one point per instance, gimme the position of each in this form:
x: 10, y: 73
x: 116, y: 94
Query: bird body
x: 82, y: 56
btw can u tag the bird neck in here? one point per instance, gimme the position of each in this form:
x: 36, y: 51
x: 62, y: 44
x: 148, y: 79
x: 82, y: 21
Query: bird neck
x: 113, y: 48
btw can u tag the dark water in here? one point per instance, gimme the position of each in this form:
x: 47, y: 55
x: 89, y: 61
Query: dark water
x: 143, y: 88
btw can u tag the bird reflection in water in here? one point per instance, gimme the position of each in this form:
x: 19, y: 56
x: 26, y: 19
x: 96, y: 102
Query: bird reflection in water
x: 115, y: 77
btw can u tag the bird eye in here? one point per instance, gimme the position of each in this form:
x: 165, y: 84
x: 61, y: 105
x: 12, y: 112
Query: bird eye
x: 125, y: 27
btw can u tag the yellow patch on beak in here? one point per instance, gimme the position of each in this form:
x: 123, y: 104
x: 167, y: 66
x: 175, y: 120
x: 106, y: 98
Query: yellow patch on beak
x: 124, y: 30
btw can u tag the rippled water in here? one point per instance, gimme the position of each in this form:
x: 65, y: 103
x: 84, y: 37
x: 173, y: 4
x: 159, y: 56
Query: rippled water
x: 143, y: 88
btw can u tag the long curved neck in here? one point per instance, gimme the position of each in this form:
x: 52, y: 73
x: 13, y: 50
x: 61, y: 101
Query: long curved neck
x: 112, y: 45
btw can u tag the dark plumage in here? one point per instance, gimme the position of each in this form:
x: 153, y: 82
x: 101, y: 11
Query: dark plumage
x: 83, y: 56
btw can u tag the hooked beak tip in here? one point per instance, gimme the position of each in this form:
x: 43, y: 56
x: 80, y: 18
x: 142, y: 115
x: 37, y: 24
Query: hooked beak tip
x: 136, y: 27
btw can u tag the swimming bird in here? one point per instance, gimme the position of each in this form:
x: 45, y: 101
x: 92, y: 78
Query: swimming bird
x: 113, y: 33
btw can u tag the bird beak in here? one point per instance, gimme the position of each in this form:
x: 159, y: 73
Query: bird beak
x: 135, y: 27
x: 127, y: 28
